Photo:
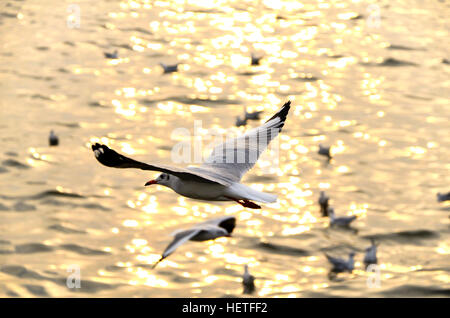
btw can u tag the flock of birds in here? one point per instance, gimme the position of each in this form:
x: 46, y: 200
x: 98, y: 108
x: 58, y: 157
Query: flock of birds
x: 219, y: 180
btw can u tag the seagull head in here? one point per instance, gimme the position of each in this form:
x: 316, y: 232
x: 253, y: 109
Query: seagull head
x: 163, y: 179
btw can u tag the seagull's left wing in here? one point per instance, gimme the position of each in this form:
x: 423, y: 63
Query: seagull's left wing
x: 180, y: 238
x: 229, y: 161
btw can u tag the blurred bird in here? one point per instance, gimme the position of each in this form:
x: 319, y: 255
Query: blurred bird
x: 441, y: 197
x: 324, y: 151
x: 218, y: 178
x: 53, y: 139
x: 113, y: 55
x: 256, y: 59
x: 240, y: 122
x: 253, y: 115
x: 323, y: 202
x: 343, y: 221
x: 371, y: 254
x: 169, y: 68
x: 341, y: 265
x: 209, y: 230
x: 248, y: 281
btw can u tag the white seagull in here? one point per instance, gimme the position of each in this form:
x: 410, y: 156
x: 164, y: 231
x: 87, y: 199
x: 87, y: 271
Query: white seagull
x: 341, y: 265
x: 248, y: 281
x: 441, y: 197
x: 371, y: 254
x: 53, y: 139
x: 241, y: 122
x: 323, y: 202
x: 169, y: 68
x: 209, y: 230
x: 255, y: 59
x: 324, y: 151
x: 343, y: 221
x: 217, y: 179
x: 253, y: 115
x: 113, y: 55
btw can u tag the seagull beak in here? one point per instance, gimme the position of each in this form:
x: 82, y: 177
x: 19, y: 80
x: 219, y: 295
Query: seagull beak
x: 151, y: 182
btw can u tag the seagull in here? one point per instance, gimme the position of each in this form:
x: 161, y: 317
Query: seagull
x: 256, y: 59
x: 253, y: 116
x: 248, y: 281
x: 343, y: 221
x: 323, y: 202
x: 169, y: 68
x: 241, y: 122
x: 341, y: 265
x: 114, y: 55
x: 441, y: 197
x: 324, y: 151
x: 371, y: 254
x: 53, y: 139
x: 218, y: 178
x: 209, y: 230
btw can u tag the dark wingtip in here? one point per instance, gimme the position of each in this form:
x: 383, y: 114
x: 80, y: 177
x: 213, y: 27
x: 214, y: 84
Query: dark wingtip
x: 159, y: 261
x: 282, y: 113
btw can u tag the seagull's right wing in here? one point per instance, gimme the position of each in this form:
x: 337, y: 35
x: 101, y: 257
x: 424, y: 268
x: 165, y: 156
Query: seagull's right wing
x: 180, y: 238
x: 110, y: 158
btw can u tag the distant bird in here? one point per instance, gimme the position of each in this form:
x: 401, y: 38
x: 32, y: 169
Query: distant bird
x: 169, y: 68
x: 371, y: 254
x: 441, y: 197
x: 241, y: 122
x: 248, y: 281
x: 253, y: 115
x: 218, y: 178
x: 324, y: 151
x: 256, y: 59
x: 53, y: 139
x: 114, y: 55
x: 209, y: 230
x: 323, y: 202
x: 341, y: 265
x: 343, y: 221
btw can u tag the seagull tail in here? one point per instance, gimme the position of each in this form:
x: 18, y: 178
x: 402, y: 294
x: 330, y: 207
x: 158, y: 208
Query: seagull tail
x: 240, y: 190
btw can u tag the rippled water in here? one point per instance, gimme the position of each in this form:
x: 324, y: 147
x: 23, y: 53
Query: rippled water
x: 370, y: 78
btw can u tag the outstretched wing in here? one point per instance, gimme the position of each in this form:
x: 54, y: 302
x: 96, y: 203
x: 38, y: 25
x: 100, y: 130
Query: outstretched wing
x: 111, y: 158
x: 180, y: 238
x: 229, y: 161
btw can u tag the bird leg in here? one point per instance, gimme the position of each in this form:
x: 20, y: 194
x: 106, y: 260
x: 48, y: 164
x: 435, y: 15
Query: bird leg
x: 246, y: 203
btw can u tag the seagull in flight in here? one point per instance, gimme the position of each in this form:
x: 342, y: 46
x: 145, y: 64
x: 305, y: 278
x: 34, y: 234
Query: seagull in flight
x: 209, y: 230
x: 218, y: 178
